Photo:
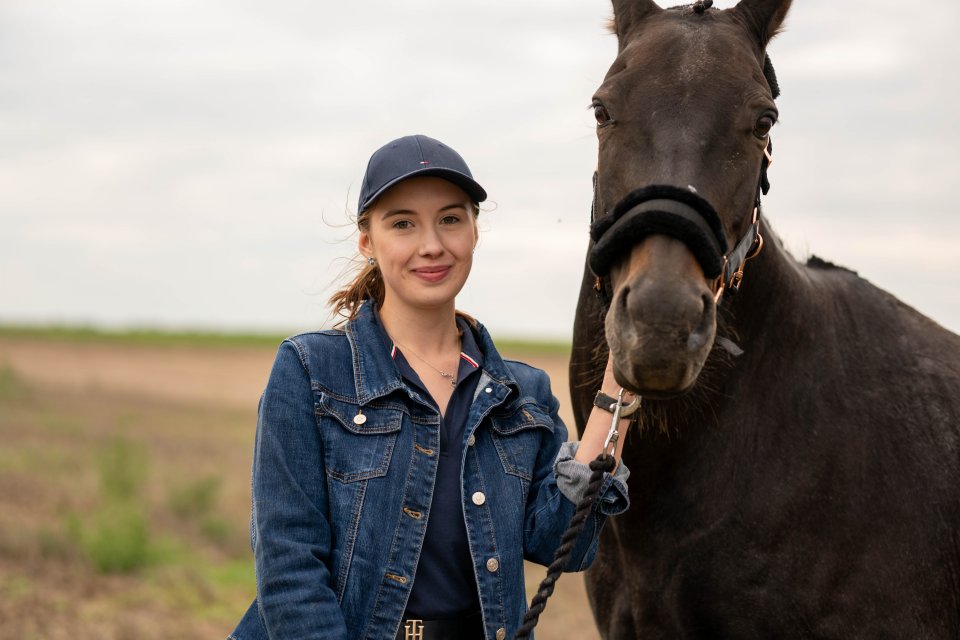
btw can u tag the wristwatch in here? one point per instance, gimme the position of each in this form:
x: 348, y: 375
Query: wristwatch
x: 605, y: 402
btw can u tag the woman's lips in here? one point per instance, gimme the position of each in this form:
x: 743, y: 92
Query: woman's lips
x: 432, y: 274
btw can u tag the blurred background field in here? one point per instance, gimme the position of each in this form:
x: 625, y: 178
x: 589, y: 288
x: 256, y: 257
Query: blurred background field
x: 124, y: 483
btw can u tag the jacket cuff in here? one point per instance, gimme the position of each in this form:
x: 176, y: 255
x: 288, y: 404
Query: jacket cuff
x: 574, y: 476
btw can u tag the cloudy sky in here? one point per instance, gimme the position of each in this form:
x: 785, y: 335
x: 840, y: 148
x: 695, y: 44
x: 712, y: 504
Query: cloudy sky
x: 192, y: 164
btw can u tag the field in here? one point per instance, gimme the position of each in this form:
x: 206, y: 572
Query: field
x: 124, y: 485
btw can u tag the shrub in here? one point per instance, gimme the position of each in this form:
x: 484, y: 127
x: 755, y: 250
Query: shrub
x: 216, y: 529
x: 123, y: 469
x: 119, y: 540
x: 195, y: 499
x: 117, y: 537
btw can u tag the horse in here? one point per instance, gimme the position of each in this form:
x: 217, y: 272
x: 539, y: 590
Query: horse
x: 795, y: 462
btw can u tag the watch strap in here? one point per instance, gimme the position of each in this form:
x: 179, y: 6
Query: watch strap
x: 608, y: 403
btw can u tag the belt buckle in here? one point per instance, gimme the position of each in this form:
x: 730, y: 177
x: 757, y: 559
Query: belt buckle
x: 413, y: 630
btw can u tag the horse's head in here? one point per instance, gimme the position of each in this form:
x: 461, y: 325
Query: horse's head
x: 683, y: 120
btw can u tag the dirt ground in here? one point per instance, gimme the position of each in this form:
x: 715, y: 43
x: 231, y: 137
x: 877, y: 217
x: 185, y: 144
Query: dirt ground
x: 189, y: 413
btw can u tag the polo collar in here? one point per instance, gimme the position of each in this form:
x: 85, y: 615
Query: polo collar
x: 375, y: 372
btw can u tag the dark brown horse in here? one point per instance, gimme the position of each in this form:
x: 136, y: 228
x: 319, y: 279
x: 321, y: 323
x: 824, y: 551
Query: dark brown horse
x: 808, y: 485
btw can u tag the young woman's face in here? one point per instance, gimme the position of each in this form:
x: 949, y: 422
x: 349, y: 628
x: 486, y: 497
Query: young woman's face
x: 422, y: 233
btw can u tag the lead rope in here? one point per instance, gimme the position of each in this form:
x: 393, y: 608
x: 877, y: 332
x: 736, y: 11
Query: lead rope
x: 603, y: 463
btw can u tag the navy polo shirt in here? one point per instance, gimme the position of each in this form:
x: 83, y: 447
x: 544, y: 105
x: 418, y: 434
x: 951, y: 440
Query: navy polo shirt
x: 445, y: 585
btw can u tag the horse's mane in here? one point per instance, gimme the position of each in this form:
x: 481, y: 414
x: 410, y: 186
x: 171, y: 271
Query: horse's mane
x: 816, y: 262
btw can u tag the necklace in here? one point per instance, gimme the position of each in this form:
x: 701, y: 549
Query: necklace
x: 448, y: 376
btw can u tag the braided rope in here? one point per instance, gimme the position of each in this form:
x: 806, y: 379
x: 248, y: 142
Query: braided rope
x: 604, y: 463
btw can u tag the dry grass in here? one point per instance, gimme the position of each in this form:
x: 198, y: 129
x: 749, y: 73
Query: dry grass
x: 187, y: 414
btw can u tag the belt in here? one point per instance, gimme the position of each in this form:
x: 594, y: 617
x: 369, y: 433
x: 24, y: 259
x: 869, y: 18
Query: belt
x: 469, y: 627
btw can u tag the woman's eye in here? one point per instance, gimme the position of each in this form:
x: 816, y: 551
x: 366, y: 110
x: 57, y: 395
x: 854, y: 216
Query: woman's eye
x: 762, y: 128
x: 601, y: 114
x: 402, y: 224
x: 449, y: 220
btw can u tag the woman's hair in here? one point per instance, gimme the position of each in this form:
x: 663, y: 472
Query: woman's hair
x: 367, y: 284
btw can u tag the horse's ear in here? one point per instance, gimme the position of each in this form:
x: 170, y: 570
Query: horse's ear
x: 628, y: 13
x: 763, y: 17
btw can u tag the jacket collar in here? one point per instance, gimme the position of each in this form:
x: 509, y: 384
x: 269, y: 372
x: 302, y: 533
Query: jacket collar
x: 376, y: 374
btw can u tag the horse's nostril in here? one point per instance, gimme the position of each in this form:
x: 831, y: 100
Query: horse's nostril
x: 705, y: 328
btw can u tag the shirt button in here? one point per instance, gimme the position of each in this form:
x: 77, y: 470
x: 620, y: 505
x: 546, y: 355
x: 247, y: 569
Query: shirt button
x: 471, y: 440
x: 492, y: 565
x: 488, y: 390
x: 501, y: 633
x: 479, y: 498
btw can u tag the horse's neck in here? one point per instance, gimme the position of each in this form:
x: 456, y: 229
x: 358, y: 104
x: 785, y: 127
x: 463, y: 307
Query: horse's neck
x: 767, y: 310
x: 770, y: 297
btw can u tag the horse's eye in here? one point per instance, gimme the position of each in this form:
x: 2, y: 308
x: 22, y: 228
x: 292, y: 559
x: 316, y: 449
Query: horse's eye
x: 762, y: 128
x: 601, y: 114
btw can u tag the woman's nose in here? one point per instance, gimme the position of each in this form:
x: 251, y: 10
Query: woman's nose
x: 430, y: 244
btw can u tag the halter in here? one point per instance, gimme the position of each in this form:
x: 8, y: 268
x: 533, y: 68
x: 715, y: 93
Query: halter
x: 684, y: 215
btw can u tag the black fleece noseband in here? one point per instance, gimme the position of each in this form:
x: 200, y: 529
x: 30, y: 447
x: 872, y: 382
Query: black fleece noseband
x: 660, y: 209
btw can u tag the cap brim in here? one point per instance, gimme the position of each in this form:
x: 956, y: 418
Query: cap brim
x: 470, y: 186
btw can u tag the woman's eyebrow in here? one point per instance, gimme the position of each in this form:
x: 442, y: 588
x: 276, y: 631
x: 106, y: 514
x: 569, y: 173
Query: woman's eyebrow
x: 411, y: 212
x: 399, y: 212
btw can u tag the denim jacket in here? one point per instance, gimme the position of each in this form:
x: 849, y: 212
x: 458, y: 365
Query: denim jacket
x: 343, y: 472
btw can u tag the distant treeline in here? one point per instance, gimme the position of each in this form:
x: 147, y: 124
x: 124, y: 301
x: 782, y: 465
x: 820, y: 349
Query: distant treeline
x: 165, y: 337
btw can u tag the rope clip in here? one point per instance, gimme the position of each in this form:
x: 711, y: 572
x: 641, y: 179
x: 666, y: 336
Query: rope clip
x: 610, y: 444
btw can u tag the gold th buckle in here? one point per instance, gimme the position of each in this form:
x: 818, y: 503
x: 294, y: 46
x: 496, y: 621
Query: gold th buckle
x: 413, y: 629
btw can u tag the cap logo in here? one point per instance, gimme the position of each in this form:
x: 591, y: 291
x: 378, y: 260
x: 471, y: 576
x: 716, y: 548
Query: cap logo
x: 424, y: 162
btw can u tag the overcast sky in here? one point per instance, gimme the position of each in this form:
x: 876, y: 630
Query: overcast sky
x: 192, y: 164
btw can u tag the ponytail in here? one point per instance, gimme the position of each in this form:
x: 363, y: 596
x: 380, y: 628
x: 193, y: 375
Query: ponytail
x: 366, y: 285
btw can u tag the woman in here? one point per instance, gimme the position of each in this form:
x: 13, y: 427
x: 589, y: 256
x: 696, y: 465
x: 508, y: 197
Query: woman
x: 402, y: 469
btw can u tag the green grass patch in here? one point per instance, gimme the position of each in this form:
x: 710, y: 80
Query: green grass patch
x: 52, y: 462
x: 16, y: 587
x: 216, y: 529
x: 533, y: 347
x: 230, y: 575
x: 118, y: 538
x: 115, y: 538
x: 123, y: 470
x: 144, y: 337
x: 12, y: 387
x: 196, y: 498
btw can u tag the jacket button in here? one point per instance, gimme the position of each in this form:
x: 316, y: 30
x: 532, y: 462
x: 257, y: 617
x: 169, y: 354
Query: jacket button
x: 488, y: 390
x: 492, y: 565
x: 478, y: 498
x: 471, y: 440
x: 501, y: 633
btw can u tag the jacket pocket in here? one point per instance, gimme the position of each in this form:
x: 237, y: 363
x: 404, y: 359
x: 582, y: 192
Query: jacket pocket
x: 358, y: 440
x: 518, y: 434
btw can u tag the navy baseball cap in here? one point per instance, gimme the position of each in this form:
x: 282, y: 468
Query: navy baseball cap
x: 415, y: 156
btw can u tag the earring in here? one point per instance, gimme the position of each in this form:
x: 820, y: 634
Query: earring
x: 371, y: 261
